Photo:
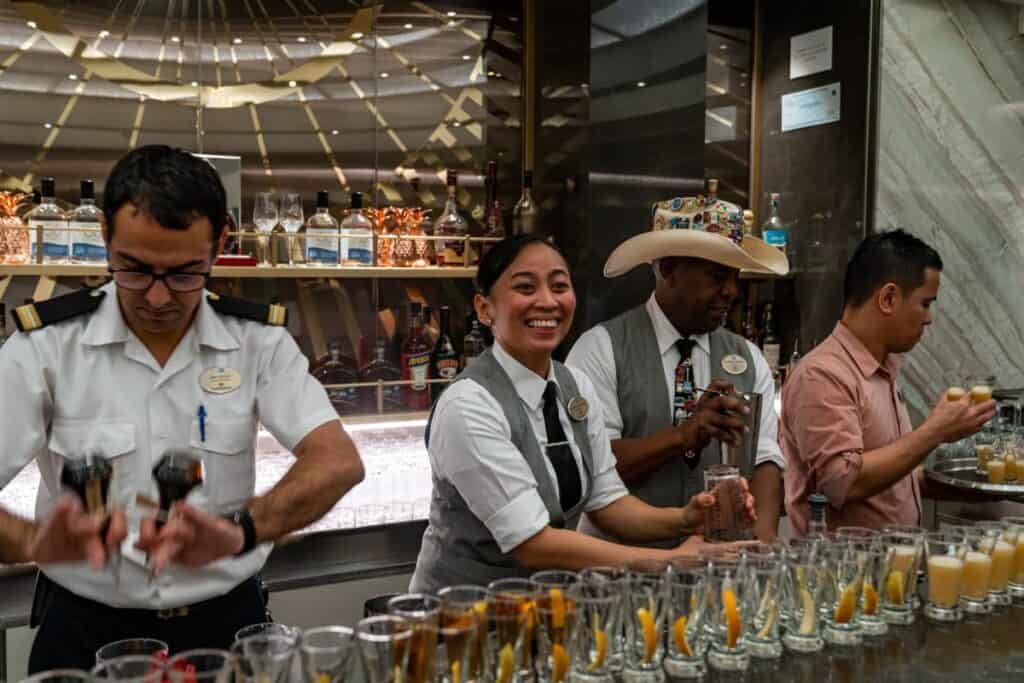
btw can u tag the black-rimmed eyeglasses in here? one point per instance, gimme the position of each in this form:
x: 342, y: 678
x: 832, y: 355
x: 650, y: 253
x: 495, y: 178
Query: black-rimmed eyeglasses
x: 141, y: 280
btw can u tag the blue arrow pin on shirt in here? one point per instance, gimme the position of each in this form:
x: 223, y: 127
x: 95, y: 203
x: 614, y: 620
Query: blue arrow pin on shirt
x: 201, y: 414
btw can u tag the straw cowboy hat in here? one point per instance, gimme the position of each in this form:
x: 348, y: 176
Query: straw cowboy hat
x: 691, y: 226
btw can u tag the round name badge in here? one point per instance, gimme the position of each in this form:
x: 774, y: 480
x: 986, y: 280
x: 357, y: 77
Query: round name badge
x: 578, y: 408
x: 220, y: 380
x: 734, y: 365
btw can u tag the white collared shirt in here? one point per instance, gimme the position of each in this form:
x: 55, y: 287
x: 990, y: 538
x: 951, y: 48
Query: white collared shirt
x: 592, y: 354
x: 471, y: 448
x: 89, y: 385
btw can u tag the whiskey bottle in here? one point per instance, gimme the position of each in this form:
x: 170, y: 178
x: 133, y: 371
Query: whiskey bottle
x: 48, y: 224
x: 771, y: 346
x: 381, y: 369
x: 451, y: 223
x: 339, y: 369
x: 87, y: 244
x: 473, y: 344
x: 415, y: 363
x: 525, y: 214
x: 444, y: 361
x: 494, y: 221
x: 356, y: 235
x: 322, y: 234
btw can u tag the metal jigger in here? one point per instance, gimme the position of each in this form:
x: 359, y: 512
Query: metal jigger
x: 176, y: 474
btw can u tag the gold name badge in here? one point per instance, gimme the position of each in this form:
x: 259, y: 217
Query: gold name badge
x: 734, y: 365
x: 578, y: 408
x: 220, y: 380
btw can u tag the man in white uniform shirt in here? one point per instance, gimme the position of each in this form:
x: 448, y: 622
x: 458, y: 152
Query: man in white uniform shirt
x: 651, y: 365
x: 148, y: 363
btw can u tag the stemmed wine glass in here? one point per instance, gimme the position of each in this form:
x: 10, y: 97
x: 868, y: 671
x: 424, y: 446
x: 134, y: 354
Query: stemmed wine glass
x: 292, y: 219
x: 264, y: 216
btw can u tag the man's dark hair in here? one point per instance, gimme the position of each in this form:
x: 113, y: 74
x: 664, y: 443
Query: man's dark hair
x: 170, y: 185
x: 895, y: 256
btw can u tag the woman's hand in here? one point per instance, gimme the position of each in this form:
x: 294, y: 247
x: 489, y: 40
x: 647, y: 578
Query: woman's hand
x: 695, y: 512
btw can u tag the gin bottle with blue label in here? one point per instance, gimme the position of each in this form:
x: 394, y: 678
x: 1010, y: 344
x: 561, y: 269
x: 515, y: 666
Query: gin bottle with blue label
x: 774, y: 231
x: 322, y: 235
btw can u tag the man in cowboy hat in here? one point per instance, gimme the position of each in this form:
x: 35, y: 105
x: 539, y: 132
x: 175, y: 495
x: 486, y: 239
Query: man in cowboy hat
x: 651, y: 364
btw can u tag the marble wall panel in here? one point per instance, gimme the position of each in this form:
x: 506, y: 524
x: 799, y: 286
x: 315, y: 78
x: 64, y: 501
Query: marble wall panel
x: 951, y: 170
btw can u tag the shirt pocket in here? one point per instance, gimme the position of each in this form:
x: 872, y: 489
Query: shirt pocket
x: 114, y: 441
x: 228, y: 462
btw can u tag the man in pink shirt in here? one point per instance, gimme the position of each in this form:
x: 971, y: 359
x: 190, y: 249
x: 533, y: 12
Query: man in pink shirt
x: 845, y: 430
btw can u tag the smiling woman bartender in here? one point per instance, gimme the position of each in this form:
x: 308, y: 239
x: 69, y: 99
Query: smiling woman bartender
x: 518, y: 448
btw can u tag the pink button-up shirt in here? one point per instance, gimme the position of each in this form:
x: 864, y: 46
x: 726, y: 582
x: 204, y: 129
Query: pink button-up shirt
x: 838, y: 403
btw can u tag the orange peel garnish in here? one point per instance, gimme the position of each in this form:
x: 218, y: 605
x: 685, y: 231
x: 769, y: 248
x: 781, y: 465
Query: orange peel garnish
x: 646, y: 619
x: 506, y: 663
x: 870, y: 599
x: 557, y: 600
x: 894, y: 586
x: 559, y: 663
x: 847, y: 605
x: 733, y: 623
x: 601, y: 645
x: 679, y: 635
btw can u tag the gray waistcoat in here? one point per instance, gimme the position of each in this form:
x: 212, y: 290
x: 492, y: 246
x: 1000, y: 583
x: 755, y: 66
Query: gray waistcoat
x: 457, y: 548
x: 643, y: 402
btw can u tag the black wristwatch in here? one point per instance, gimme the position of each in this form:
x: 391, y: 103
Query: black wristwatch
x: 243, y: 519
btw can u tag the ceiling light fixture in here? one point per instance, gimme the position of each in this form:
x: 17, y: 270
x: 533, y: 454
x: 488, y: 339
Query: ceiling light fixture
x: 301, y: 39
x: 73, y: 77
x: 407, y: 26
x: 384, y: 74
x: 32, y: 25
x: 175, y: 39
x: 236, y: 41
x: 334, y: 132
x: 456, y: 124
x: 451, y: 14
x: 451, y: 23
x: 357, y: 35
x: 194, y: 84
x: 723, y: 46
x: 292, y: 84
x: 641, y: 84
x: 466, y: 58
x: 104, y: 33
x: 47, y: 125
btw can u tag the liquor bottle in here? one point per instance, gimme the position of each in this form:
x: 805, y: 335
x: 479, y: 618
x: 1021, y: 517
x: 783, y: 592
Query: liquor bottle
x: 356, y: 235
x: 381, y: 369
x: 338, y: 369
x: 444, y: 361
x: 48, y: 227
x: 473, y: 344
x: 451, y: 223
x: 774, y: 231
x: 749, y: 329
x: 415, y: 363
x: 770, y: 345
x: 817, y: 523
x: 526, y: 213
x: 87, y: 244
x: 494, y: 221
x: 322, y: 234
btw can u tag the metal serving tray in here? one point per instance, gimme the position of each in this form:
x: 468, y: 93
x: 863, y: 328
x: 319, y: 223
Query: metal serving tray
x: 948, y: 467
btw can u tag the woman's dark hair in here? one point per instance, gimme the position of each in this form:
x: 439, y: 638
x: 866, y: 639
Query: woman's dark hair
x: 170, y: 185
x: 500, y: 256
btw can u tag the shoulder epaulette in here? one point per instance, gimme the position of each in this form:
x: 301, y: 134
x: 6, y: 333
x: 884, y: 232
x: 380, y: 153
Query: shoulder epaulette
x: 268, y: 314
x: 42, y: 313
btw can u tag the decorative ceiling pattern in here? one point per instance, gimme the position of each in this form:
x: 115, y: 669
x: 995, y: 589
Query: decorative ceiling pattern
x: 343, y: 95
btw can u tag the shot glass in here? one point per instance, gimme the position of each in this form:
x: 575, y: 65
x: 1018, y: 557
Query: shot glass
x: 977, y: 574
x: 617, y: 640
x: 984, y: 449
x: 763, y: 595
x: 725, y: 616
x: 873, y: 592
x: 644, y: 606
x: 1000, y: 545
x: 687, y: 610
x: 903, y: 553
x: 131, y: 669
x: 423, y: 614
x: 132, y: 646
x: 598, y: 620
x: 264, y: 658
x: 202, y: 665
x: 844, y: 580
x: 462, y: 605
x: 805, y: 580
x: 946, y: 557
x: 557, y: 613
x: 519, y: 593
x: 1016, y: 583
x: 326, y: 654
x: 384, y: 643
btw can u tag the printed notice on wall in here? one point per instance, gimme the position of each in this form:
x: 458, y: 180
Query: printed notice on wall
x: 810, y: 53
x: 810, y: 107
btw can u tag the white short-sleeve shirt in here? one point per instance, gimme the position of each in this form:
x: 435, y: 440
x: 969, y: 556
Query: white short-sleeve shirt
x: 471, y: 448
x: 592, y: 354
x: 89, y: 386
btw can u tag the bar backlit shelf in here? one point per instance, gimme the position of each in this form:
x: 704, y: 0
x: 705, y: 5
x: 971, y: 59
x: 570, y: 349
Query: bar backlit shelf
x: 263, y: 271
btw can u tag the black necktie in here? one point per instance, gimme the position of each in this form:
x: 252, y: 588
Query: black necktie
x: 570, y: 488
x: 685, y: 394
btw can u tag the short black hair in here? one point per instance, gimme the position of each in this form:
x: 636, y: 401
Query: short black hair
x: 172, y: 186
x: 501, y: 255
x: 894, y: 256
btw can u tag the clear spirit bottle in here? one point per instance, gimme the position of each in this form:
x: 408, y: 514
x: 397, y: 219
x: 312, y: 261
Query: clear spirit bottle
x: 48, y: 227
x: 322, y: 234
x: 452, y: 224
x: 356, y: 235
x: 87, y: 244
x: 526, y: 213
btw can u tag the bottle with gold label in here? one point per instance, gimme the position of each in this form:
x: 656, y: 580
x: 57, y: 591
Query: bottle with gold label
x: 415, y: 363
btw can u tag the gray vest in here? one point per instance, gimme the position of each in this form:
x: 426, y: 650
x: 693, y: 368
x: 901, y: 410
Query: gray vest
x: 645, y: 408
x: 457, y: 547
